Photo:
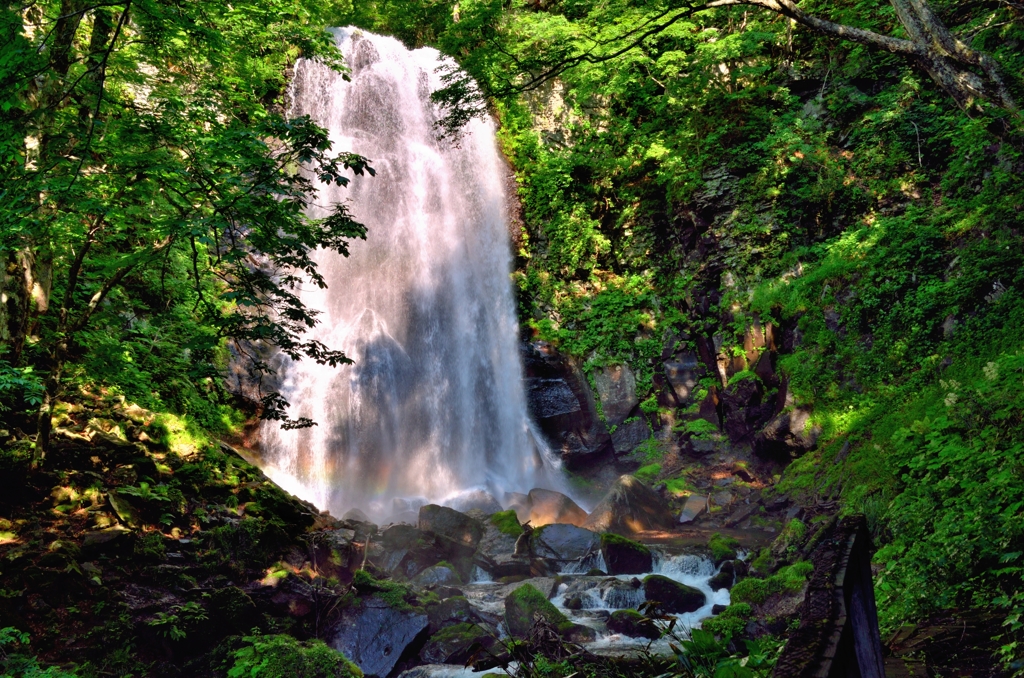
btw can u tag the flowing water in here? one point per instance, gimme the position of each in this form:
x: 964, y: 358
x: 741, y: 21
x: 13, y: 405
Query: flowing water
x: 434, y: 405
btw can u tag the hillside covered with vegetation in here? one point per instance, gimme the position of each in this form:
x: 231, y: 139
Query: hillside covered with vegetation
x: 688, y: 176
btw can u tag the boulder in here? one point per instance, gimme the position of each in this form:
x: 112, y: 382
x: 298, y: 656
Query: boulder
x: 548, y: 506
x: 564, y: 542
x: 562, y: 403
x: 474, y: 499
x: 787, y: 435
x: 616, y: 389
x: 628, y: 508
x: 725, y: 577
x: 454, y: 610
x: 526, y: 603
x: 452, y: 525
x: 695, y: 505
x: 520, y: 503
x: 671, y: 596
x: 625, y: 556
x: 356, y: 515
x: 633, y: 624
x: 630, y: 435
x: 437, y: 575
x: 406, y: 551
x: 494, y: 554
x: 374, y: 635
x: 457, y: 644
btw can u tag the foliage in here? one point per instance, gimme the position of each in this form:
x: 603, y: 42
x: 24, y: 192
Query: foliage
x: 149, y: 181
x: 18, y: 665
x: 180, y: 622
x: 729, y: 622
x: 278, y: 656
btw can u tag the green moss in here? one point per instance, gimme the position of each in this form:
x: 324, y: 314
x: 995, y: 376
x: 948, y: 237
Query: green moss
x: 463, y: 632
x: 722, y: 547
x: 679, y: 487
x: 647, y: 474
x: 396, y: 595
x: 526, y: 601
x: 507, y: 523
x: 787, y: 580
x: 743, y: 376
x: 282, y: 656
x: 610, y: 539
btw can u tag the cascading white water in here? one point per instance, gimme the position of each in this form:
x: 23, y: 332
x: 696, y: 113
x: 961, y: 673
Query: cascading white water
x: 434, y: 404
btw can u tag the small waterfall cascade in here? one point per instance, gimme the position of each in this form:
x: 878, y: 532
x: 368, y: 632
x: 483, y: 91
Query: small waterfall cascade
x: 434, y: 407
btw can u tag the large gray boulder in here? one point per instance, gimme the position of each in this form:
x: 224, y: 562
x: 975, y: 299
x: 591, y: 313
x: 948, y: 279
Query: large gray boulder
x: 549, y: 506
x: 451, y: 525
x: 564, y: 542
x: 628, y: 508
x: 374, y: 635
x: 616, y: 388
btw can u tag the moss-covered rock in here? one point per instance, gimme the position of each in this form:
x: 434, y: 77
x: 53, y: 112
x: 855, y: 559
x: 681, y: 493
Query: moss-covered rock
x: 507, y: 523
x: 633, y: 624
x: 671, y: 596
x: 722, y: 547
x: 625, y: 556
x: 456, y: 644
x: 525, y: 603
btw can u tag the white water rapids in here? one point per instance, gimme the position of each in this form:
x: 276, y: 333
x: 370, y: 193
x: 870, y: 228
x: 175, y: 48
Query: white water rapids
x: 434, y: 406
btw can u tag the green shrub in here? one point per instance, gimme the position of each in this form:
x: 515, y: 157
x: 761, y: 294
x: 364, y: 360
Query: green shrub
x: 728, y: 623
x: 282, y: 656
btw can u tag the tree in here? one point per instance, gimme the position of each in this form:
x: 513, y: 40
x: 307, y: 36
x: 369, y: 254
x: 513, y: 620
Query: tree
x: 151, y: 187
x: 968, y: 75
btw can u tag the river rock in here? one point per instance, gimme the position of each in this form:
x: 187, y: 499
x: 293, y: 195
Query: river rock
x: 724, y: 578
x: 564, y: 542
x: 524, y: 604
x: 455, y: 610
x: 628, y: 508
x: 452, y: 525
x: 616, y: 389
x: 374, y: 635
x: 406, y: 551
x: 672, y: 596
x: 437, y: 575
x: 494, y: 554
x: 548, y: 506
x: 625, y: 556
x: 695, y: 505
x: 633, y: 624
x: 456, y: 644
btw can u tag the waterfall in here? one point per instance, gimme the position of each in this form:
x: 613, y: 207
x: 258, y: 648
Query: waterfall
x: 434, y: 406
